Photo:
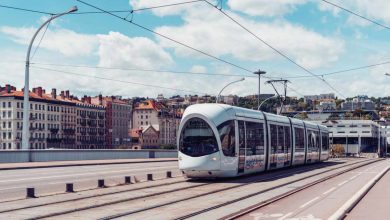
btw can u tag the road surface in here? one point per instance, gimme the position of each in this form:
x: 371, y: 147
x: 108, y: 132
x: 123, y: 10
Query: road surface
x: 13, y: 183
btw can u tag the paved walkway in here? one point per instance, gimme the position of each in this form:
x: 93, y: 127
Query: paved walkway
x: 374, y: 205
x: 33, y: 165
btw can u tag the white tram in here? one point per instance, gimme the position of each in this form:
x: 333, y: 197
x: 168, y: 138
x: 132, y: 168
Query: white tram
x: 217, y: 140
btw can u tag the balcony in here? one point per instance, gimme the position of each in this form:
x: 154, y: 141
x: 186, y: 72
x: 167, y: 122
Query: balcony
x: 53, y: 140
x: 69, y: 131
x: 83, y: 115
x: 83, y: 123
x: 101, y: 116
x: 54, y: 130
x: 93, y: 116
x: 32, y: 128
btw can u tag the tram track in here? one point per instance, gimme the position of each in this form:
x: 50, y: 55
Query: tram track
x: 268, y: 202
x: 129, y: 213
x: 193, y: 186
x: 312, y: 167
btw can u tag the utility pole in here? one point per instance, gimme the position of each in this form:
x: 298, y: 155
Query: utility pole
x: 284, y: 81
x: 259, y: 72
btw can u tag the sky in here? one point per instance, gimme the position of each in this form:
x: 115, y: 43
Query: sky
x: 98, y: 53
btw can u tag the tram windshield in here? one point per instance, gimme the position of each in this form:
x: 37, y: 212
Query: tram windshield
x: 197, y: 138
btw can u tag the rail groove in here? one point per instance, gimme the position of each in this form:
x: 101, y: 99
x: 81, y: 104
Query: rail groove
x: 225, y: 189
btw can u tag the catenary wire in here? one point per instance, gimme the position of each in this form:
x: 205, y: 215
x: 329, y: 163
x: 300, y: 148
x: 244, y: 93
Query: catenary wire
x: 117, y: 80
x: 40, y: 41
x: 274, y: 49
x: 356, y: 14
x: 26, y: 10
x: 112, y: 11
x: 169, y: 38
x: 142, y: 70
x: 216, y: 74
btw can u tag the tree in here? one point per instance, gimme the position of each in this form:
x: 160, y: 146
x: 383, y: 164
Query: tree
x: 337, y: 150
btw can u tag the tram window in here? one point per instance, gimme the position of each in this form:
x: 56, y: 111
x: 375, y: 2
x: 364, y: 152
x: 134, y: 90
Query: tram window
x: 313, y: 140
x: 299, y: 140
x: 274, y: 138
x: 287, y: 139
x: 317, y: 140
x: 197, y: 138
x: 254, y: 138
x: 241, y: 135
x: 325, y: 141
x: 281, y: 143
x: 227, y: 135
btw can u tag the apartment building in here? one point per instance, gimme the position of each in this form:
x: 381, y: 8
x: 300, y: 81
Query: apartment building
x: 118, y: 118
x: 144, y: 114
x: 56, y: 121
x: 91, y: 123
x: 45, y: 119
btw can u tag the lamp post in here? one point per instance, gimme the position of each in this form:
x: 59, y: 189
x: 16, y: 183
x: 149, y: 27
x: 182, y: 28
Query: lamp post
x: 219, y: 94
x: 258, y: 108
x: 26, y: 103
x: 258, y: 94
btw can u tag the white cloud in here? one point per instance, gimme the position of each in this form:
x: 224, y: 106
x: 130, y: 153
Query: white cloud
x: 164, y: 11
x: 265, y: 7
x: 198, y: 69
x: 116, y: 49
x: 66, y: 42
x: 374, y: 9
x: 211, y: 32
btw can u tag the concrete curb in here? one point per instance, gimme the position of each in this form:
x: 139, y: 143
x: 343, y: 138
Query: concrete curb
x: 83, y: 164
x: 354, y: 200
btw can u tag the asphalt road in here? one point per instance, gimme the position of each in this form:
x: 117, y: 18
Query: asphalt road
x: 13, y: 183
x: 322, y: 200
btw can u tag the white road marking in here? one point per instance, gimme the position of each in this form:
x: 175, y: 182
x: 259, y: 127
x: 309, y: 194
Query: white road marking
x: 353, y: 177
x: 85, y: 174
x: 330, y: 190
x: 306, y: 204
x: 342, y: 183
x: 285, y: 216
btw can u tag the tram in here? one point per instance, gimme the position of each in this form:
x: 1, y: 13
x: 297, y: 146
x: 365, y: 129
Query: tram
x: 218, y: 140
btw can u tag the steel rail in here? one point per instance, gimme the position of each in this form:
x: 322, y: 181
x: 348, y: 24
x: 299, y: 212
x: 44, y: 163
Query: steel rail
x: 226, y: 189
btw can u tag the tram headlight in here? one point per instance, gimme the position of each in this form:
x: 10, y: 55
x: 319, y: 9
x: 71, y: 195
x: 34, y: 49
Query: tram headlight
x: 214, y: 158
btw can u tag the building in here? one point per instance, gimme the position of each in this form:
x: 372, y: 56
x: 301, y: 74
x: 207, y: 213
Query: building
x: 149, y: 138
x: 326, y: 105
x: 360, y: 102
x: 356, y: 136
x: 47, y: 129
x: 313, y: 98
x: 169, y: 121
x: 91, y: 123
x: 229, y: 100
x: 144, y: 114
x: 118, y: 118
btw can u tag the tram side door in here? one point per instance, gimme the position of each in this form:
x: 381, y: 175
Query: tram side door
x: 241, y: 146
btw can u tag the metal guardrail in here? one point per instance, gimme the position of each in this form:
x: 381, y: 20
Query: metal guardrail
x: 14, y: 156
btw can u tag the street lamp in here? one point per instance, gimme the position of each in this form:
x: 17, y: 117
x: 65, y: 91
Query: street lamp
x: 258, y: 108
x: 26, y: 103
x: 219, y: 94
x: 258, y: 95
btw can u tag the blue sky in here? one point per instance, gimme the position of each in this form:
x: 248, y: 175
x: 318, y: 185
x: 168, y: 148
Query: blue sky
x: 316, y: 35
